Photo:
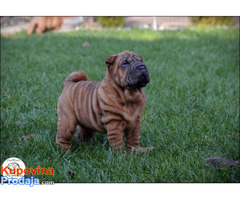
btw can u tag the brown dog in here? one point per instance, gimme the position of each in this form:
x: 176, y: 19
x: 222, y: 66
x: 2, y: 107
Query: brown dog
x: 41, y: 24
x: 112, y: 106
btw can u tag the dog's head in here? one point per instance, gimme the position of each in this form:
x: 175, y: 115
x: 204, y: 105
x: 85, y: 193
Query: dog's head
x: 128, y: 70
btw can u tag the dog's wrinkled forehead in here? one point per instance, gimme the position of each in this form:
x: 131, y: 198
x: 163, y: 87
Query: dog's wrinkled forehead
x: 130, y: 57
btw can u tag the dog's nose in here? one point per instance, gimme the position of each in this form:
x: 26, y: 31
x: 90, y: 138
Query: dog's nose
x: 140, y: 66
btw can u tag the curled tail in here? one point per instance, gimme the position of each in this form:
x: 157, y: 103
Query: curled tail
x: 75, y: 77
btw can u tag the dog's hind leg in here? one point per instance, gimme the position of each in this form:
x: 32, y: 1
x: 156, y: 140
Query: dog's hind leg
x: 66, y: 127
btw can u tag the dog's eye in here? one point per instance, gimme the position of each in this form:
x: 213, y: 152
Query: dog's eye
x: 125, y: 63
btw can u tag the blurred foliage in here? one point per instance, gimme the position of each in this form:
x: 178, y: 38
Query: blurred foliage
x: 111, y: 22
x: 210, y: 21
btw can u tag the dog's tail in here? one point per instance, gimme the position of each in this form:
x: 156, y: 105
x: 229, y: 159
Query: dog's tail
x: 76, y: 77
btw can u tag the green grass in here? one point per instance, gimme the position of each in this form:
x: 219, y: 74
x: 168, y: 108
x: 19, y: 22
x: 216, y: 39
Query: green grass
x: 192, y: 108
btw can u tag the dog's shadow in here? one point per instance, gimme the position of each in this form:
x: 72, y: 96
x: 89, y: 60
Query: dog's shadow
x: 98, y: 140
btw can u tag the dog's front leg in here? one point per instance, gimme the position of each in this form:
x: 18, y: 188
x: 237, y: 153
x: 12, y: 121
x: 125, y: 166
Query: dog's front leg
x: 115, y: 134
x: 133, y: 135
x: 133, y: 138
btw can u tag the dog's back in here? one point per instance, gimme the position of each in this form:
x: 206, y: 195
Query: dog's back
x: 81, y: 97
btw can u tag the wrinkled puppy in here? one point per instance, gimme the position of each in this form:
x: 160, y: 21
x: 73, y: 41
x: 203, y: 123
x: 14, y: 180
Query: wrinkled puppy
x: 112, y: 106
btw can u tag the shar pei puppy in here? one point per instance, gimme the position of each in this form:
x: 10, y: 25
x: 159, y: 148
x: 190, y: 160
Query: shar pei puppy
x: 112, y: 106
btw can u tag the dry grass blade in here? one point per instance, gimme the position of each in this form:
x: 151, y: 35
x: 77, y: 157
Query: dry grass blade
x: 27, y: 137
x: 142, y: 149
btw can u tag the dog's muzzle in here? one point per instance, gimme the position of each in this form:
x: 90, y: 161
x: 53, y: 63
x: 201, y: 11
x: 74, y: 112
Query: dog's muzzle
x: 141, y: 67
x: 138, y: 76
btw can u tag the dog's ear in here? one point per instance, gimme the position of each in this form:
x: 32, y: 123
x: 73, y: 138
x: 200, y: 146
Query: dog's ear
x: 110, y: 60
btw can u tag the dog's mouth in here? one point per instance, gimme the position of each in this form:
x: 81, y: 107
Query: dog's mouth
x: 139, y: 84
x: 133, y: 87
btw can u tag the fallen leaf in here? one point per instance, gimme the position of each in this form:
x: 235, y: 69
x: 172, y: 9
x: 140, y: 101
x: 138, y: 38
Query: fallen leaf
x: 86, y: 44
x: 6, y: 94
x: 19, y: 123
x: 220, y: 163
x: 72, y: 174
x: 37, y: 107
x: 27, y: 137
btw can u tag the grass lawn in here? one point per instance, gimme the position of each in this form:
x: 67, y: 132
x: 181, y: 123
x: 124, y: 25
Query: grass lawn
x: 192, y: 109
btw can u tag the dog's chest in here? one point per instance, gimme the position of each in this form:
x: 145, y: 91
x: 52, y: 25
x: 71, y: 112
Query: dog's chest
x: 131, y: 112
x: 132, y: 109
